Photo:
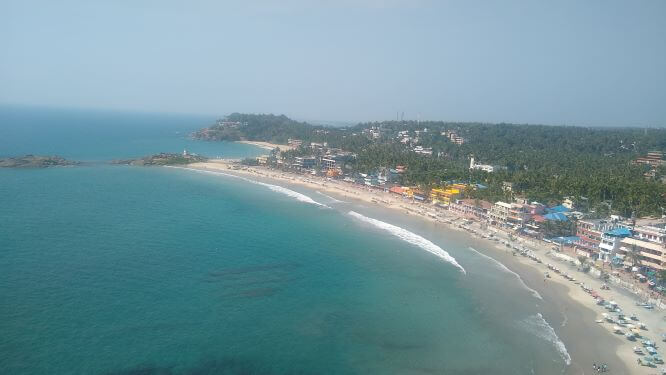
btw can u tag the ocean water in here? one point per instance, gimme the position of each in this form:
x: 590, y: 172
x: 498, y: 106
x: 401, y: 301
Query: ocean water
x: 138, y: 270
x: 94, y: 136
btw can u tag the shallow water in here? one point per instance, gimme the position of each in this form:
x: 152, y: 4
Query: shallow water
x: 126, y: 270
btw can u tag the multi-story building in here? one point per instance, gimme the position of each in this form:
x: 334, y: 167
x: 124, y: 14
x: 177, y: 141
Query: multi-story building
x: 314, y: 146
x: 471, y: 207
x: 296, y: 143
x: 610, y: 243
x: 305, y: 163
x: 484, y: 167
x: 444, y: 196
x: 653, y: 159
x: 518, y: 214
x: 650, y: 254
x: 453, y: 137
x: 590, y: 232
x: 653, y: 232
x: 328, y: 163
x: 499, y: 212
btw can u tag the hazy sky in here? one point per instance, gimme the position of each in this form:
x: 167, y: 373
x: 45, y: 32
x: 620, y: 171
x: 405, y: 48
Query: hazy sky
x: 556, y: 62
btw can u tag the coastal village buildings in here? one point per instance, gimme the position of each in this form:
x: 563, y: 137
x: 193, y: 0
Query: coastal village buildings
x: 295, y: 143
x: 499, y: 212
x: 483, y: 167
x: 304, y: 162
x: 649, y: 242
x: 589, y: 234
x: 653, y: 159
x: 444, y: 196
x: 471, y: 207
x: 638, y: 245
x: 650, y: 254
x: 610, y: 243
x: 453, y: 137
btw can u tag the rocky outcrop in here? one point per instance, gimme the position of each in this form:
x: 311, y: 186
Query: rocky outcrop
x: 35, y: 161
x: 163, y: 159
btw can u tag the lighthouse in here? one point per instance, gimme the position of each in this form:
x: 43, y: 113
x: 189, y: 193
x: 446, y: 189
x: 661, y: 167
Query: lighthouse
x: 185, y: 153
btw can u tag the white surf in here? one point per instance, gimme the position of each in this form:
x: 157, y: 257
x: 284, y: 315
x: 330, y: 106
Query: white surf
x: 279, y: 189
x: 504, y: 268
x: 410, y: 237
x: 539, y: 327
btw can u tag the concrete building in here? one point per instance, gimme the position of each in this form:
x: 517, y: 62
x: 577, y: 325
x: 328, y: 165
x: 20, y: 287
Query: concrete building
x: 499, y: 212
x: 518, y: 214
x: 589, y: 233
x: 296, y: 143
x: 484, y: 167
x: 471, y: 207
x: 304, y: 163
x: 653, y: 159
x: 444, y: 196
x: 328, y: 163
x: 610, y: 243
x: 651, y: 254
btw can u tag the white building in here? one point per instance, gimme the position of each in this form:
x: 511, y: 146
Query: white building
x: 499, y: 212
x: 484, y: 167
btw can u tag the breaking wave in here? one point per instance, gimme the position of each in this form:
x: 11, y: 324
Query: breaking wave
x: 410, y: 237
x: 539, y: 327
x: 504, y: 268
x: 288, y: 192
x: 331, y: 198
x: 279, y: 189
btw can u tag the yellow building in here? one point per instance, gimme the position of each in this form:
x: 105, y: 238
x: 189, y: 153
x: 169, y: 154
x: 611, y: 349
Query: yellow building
x: 444, y: 196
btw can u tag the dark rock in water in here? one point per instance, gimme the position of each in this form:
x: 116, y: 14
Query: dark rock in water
x: 35, y: 161
x: 163, y: 159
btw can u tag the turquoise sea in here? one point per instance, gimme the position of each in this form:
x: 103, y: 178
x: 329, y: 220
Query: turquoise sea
x: 146, y: 270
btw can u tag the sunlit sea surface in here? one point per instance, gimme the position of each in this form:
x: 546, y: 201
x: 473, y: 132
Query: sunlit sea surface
x: 146, y: 270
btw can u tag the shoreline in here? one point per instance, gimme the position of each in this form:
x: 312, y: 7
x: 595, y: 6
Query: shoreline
x: 267, y: 145
x: 571, y: 311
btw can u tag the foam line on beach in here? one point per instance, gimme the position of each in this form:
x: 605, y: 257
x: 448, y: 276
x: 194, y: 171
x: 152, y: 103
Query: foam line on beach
x: 333, y: 200
x: 539, y: 327
x: 410, y: 237
x: 504, y: 268
x: 279, y: 189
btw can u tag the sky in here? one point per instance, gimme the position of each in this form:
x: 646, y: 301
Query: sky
x: 574, y: 62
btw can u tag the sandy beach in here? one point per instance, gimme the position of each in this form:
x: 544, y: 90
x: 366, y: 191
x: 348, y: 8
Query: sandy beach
x: 267, y: 145
x: 567, y: 307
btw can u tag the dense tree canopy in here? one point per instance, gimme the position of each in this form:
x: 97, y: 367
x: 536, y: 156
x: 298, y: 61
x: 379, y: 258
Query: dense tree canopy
x: 544, y: 163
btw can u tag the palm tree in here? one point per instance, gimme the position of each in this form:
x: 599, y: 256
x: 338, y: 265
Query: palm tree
x: 635, y: 256
x: 584, y: 266
x: 661, y: 276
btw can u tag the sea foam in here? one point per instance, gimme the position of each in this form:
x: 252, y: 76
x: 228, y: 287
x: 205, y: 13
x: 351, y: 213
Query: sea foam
x: 279, y: 189
x: 410, y: 237
x: 504, y: 268
x: 333, y: 200
x: 539, y: 327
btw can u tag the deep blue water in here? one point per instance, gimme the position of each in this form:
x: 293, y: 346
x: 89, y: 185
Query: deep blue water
x: 138, y: 270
